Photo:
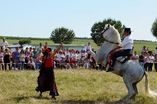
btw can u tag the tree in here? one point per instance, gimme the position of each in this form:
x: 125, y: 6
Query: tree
x: 62, y: 35
x: 154, y: 28
x: 24, y: 41
x: 98, y: 27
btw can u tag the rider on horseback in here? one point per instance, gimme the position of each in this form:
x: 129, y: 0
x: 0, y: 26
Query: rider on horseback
x: 127, y: 46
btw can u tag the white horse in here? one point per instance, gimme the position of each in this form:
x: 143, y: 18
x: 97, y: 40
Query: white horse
x: 131, y: 71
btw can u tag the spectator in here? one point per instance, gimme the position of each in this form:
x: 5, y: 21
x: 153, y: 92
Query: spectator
x: 87, y: 61
x: 67, y: 62
x: 1, y: 59
x: 135, y: 57
x: 146, y: 61
x: 38, y: 60
x: 45, y: 46
x: 155, y: 51
x: 31, y: 63
x: 144, y: 49
x: 7, y: 56
x: 151, y: 60
x: 27, y: 56
x: 39, y: 49
x: 15, y: 57
x: 141, y: 59
x: 22, y: 59
x: 87, y: 47
x: 58, y: 58
x: 4, y: 43
x: 155, y: 62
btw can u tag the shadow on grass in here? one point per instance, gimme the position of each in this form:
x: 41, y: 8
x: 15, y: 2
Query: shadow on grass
x: 59, y: 101
x: 20, y: 98
x: 85, y: 102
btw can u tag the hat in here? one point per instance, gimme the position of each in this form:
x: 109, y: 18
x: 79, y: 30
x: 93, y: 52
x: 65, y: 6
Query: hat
x: 127, y: 30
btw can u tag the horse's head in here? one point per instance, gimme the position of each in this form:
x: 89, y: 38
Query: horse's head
x: 111, y: 34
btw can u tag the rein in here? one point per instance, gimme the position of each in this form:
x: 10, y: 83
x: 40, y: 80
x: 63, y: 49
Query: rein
x: 111, y: 42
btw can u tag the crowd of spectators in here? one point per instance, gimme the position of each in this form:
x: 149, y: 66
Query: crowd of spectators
x: 31, y: 58
x: 147, y: 58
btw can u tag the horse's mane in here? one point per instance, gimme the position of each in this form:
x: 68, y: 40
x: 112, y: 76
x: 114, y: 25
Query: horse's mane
x: 112, y: 35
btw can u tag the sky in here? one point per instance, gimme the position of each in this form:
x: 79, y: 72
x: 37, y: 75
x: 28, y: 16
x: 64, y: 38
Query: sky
x: 38, y: 18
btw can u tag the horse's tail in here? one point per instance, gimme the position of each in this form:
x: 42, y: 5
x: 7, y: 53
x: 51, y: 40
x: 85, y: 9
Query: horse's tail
x: 146, y: 83
x: 147, y: 89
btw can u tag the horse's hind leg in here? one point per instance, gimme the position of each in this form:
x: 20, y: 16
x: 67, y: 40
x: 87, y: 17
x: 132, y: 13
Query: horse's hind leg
x: 131, y: 89
x: 135, y: 88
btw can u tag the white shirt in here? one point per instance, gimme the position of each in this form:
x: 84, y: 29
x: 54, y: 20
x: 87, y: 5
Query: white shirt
x: 127, y: 43
x: 87, y: 47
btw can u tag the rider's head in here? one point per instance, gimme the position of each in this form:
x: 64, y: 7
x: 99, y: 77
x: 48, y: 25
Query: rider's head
x: 127, y: 31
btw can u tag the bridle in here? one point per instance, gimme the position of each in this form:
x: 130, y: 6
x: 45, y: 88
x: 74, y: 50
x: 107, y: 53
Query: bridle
x: 107, y: 39
x: 111, y: 41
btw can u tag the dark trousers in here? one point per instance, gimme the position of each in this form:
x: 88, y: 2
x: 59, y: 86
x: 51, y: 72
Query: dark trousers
x: 148, y: 66
x: 124, y: 52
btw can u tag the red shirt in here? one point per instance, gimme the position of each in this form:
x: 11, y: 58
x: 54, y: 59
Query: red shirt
x: 48, y: 62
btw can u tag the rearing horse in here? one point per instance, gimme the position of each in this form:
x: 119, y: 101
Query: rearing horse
x: 131, y: 71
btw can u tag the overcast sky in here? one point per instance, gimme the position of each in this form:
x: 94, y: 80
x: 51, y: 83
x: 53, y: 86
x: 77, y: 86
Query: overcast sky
x: 37, y: 18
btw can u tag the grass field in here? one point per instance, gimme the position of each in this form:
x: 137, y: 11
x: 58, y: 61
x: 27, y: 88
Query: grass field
x: 79, y: 86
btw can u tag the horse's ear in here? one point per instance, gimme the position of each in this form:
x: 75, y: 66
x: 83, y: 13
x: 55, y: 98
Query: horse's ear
x: 107, y: 26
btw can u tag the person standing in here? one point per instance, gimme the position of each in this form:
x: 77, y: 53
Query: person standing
x: 6, y: 59
x: 87, y: 47
x: 4, y: 43
x: 15, y: 57
x: 141, y: 59
x: 155, y: 52
x: 22, y: 59
x: 135, y: 57
x: 155, y: 62
x: 46, y: 78
x: 151, y: 60
x: 1, y: 59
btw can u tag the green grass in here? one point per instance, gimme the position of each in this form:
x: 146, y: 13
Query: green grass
x: 139, y: 44
x: 78, y: 86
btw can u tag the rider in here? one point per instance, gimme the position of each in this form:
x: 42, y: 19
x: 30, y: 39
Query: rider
x: 127, y: 46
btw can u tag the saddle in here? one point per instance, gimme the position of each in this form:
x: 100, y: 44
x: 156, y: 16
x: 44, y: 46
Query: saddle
x: 121, y: 59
